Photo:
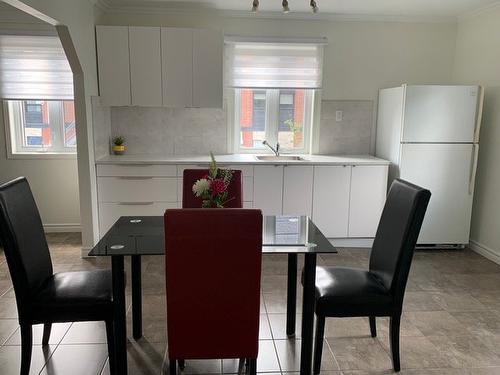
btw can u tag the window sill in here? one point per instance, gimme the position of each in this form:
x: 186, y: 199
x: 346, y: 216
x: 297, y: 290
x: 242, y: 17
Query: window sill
x: 42, y: 155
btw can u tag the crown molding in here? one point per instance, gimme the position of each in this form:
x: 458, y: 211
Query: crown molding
x: 149, y: 8
x: 479, y: 11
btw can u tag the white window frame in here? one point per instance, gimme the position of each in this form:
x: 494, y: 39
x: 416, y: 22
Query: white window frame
x: 272, y: 121
x: 13, y: 138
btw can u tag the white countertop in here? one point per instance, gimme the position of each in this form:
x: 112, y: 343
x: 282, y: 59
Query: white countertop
x: 242, y: 159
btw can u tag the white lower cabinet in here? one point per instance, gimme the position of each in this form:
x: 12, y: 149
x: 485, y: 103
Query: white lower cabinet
x: 331, y: 200
x: 297, y: 190
x: 268, y: 189
x: 368, y: 192
x: 343, y: 201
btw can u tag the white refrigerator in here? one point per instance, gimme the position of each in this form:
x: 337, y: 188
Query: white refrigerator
x: 430, y: 134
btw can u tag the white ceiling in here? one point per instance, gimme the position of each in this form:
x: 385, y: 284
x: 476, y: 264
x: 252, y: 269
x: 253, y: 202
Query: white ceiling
x: 428, y: 8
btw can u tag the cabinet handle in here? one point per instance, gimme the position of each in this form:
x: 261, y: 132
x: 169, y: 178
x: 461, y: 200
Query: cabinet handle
x: 135, y: 203
x: 135, y: 165
x: 473, y: 168
x: 134, y: 178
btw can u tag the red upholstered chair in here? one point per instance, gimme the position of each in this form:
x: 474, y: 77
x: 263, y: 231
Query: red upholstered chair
x: 190, y: 176
x: 213, y: 268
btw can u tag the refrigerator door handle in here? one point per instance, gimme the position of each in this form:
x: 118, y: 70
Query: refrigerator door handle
x: 479, y: 118
x: 473, y: 168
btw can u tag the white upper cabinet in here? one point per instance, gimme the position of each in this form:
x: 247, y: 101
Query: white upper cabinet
x: 368, y: 193
x: 297, y: 190
x: 153, y: 66
x: 268, y: 189
x: 207, y: 68
x: 114, y: 67
x: 331, y: 200
x: 145, y: 66
x: 177, y: 67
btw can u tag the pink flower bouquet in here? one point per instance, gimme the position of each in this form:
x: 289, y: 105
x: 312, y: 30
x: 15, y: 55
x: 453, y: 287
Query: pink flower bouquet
x: 212, y: 189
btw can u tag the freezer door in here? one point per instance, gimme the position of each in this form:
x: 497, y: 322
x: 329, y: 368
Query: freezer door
x: 448, y: 171
x: 441, y: 114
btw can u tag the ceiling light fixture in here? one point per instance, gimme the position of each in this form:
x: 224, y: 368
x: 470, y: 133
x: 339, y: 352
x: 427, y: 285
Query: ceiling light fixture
x: 314, y: 6
x: 286, y: 9
x: 255, y: 6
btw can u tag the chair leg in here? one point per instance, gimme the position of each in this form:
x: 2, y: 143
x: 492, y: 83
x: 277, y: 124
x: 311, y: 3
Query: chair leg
x: 241, y: 366
x: 252, y: 366
x: 394, y: 335
x: 111, y: 346
x: 26, y: 346
x: 318, y: 346
x: 373, y: 326
x: 182, y: 364
x: 47, y: 327
x: 173, y: 367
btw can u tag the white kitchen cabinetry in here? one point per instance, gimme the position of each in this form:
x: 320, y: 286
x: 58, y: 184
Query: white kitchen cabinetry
x: 368, y: 192
x: 145, y: 66
x: 207, y: 68
x: 153, y: 66
x: 331, y: 200
x: 268, y: 189
x: 114, y: 66
x: 297, y: 190
x: 344, y: 201
x: 177, y: 66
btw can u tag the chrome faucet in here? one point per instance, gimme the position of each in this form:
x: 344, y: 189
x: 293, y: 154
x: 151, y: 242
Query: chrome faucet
x: 275, y: 150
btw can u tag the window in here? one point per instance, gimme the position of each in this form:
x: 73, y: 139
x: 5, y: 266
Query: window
x: 275, y: 115
x: 41, y: 126
x: 36, y: 84
x: 274, y: 85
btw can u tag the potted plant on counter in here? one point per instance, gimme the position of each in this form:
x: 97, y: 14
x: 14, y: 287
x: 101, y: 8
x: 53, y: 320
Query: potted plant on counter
x: 118, y: 145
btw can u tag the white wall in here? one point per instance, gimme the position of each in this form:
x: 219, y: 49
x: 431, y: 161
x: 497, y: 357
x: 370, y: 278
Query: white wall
x: 54, y: 182
x: 79, y: 16
x: 477, y: 61
x: 360, y: 58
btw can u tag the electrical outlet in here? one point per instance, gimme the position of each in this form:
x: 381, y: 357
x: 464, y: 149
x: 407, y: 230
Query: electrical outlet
x: 339, y: 115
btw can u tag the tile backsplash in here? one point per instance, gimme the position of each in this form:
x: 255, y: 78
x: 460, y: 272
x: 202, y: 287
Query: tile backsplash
x: 170, y: 131
x: 196, y: 131
x: 352, y: 134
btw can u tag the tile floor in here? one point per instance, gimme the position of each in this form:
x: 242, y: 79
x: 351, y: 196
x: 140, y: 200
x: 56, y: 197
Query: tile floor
x: 451, y: 323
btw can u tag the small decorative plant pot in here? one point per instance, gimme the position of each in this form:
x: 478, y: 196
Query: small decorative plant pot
x: 118, y: 150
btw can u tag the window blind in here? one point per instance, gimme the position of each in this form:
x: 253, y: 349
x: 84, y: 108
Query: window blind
x: 271, y: 64
x: 34, y: 67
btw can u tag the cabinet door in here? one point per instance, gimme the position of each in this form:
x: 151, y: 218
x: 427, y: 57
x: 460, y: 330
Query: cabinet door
x: 368, y: 192
x: 177, y: 67
x: 145, y: 66
x: 114, y: 68
x: 268, y: 189
x: 331, y: 200
x: 207, y: 68
x: 297, y: 190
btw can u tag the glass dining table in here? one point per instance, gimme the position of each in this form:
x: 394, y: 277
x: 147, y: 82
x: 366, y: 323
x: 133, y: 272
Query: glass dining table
x: 144, y: 235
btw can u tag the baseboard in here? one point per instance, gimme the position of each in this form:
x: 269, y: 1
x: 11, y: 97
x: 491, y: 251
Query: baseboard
x: 485, y: 251
x: 61, y: 228
x: 352, y: 242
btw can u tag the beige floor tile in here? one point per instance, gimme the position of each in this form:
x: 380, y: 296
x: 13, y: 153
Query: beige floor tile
x: 347, y: 327
x: 435, y: 323
x: 56, y: 334
x: 88, y: 359
x: 360, y: 354
x: 7, y: 328
x: 278, y: 326
x: 289, y: 356
x: 457, y: 301
x: 420, y: 301
x: 10, y: 359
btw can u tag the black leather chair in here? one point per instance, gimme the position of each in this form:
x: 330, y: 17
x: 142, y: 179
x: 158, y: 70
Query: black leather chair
x: 379, y: 291
x: 41, y: 295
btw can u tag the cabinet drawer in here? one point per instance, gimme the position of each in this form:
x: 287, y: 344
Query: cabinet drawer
x: 137, y: 189
x: 139, y: 170
x: 110, y: 212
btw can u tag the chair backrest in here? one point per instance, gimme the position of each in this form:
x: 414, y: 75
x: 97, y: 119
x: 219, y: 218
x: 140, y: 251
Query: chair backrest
x: 190, y: 176
x: 213, y: 268
x: 24, y: 241
x: 397, y: 235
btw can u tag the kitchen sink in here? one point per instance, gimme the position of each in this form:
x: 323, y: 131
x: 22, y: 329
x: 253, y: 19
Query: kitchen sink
x: 279, y: 158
